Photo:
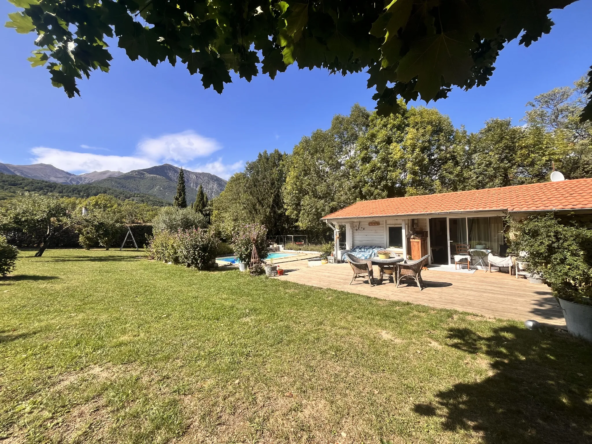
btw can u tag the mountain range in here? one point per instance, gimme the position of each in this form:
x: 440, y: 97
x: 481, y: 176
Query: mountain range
x: 159, y: 181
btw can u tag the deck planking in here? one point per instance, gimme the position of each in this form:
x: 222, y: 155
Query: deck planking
x: 494, y: 295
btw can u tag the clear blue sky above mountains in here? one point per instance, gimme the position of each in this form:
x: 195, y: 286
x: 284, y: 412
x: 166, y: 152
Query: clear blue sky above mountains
x: 137, y: 115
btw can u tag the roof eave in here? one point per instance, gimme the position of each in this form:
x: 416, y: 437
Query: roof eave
x: 326, y: 218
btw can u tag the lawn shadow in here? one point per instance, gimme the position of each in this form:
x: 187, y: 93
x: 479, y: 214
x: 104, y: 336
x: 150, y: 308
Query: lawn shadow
x: 29, y: 277
x: 539, y: 389
x: 108, y: 258
x: 7, y: 336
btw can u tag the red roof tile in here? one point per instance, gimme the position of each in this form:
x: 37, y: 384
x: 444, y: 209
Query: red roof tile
x: 566, y: 195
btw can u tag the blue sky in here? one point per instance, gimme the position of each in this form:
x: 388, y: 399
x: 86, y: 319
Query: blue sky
x: 138, y: 115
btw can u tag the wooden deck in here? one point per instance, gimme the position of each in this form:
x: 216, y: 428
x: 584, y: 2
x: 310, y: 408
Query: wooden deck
x: 495, y: 294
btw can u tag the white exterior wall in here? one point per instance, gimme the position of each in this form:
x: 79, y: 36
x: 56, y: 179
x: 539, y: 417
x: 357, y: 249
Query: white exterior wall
x: 349, y: 236
x: 365, y: 235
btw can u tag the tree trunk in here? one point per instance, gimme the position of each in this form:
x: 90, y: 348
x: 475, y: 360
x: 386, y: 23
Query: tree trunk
x: 41, y: 250
x: 44, y: 243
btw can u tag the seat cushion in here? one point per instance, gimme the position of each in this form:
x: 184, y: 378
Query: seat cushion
x: 497, y: 261
x: 461, y: 257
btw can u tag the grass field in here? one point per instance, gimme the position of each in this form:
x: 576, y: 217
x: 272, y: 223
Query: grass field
x: 105, y: 347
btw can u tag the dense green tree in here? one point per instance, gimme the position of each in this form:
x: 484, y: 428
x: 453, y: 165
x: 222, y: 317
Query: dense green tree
x: 414, y: 151
x: 504, y: 155
x: 254, y: 197
x: 40, y: 216
x: 201, y: 201
x: 266, y: 177
x: 180, y: 198
x: 410, y: 48
x: 318, y: 181
x: 230, y: 208
x: 557, y: 114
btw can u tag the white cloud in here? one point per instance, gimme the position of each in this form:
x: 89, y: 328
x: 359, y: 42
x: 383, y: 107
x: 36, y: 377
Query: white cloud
x: 94, y: 148
x: 88, y: 162
x: 180, y: 147
x: 219, y: 168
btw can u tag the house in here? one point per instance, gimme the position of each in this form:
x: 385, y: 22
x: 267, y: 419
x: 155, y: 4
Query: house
x: 435, y: 223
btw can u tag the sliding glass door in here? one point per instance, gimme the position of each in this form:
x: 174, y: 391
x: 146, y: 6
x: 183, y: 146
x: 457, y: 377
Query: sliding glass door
x: 439, y: 241
x: 486, y: 233
x: 457, y: 229
x: 482, y: 233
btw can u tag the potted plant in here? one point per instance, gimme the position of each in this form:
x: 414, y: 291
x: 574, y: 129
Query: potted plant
x: 559, y: 251
x: 242, y: 244
x: 270, y: 269
x: 384, y: 254
x: 326, y: 251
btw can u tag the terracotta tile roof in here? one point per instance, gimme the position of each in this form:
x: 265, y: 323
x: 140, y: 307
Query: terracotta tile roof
x: 566, y: 195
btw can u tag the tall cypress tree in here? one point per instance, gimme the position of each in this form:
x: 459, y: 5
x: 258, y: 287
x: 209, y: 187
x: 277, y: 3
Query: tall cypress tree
x: 180, y: 199
x: 201, y: 201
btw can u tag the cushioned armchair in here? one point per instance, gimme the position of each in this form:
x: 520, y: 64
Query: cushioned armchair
x: 362, y: 268
x: 412, y: 269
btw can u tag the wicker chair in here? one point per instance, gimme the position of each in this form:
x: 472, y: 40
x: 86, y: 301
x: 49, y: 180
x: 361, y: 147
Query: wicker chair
x: 412, y: 269
x: 361, y: 268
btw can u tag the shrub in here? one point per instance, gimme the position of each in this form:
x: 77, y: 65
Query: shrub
x: 173, y: 219
x: 197, y: 248
x: 101, y: 227
x: 559, y: 249
x: 224, y: 249
x: 326, y: 250
x: 242, y: 243
x: 8, y: 255
x: 164, y: 246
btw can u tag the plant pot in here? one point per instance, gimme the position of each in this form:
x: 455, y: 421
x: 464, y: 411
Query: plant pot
x: 384, y: 256
x: 271, y: 270
x: 535, y: 279
x: 578, y: 318
x: 242, y: 266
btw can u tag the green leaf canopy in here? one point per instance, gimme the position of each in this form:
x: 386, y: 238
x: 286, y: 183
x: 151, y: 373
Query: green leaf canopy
x: 410, y: 48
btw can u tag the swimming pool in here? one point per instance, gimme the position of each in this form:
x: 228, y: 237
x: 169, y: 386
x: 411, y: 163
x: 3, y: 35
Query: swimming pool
x: 234, y: 259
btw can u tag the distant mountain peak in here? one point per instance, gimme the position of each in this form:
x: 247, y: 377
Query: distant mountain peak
x: 49, y: 173
x: 159, y: 181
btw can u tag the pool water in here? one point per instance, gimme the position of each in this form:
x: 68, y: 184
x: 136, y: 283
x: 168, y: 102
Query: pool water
x: 234, y: 260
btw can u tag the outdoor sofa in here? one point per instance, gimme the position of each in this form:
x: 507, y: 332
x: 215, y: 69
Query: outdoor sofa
x: 361, y: 252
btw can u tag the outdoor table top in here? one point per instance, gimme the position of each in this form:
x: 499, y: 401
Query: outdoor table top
x: 391, y: 261
x: 480, y: 250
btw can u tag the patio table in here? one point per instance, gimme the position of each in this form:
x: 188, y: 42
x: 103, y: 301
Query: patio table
x: 382, y: 263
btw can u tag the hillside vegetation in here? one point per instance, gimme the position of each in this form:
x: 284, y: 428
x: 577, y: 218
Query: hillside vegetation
x: 161, y: 181
x: 11, y: 185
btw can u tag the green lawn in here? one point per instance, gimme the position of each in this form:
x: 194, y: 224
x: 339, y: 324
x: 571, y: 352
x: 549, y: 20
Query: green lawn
x: 105, y: 347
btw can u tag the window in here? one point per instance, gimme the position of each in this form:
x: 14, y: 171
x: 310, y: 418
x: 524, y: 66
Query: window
x: 395, y: 237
